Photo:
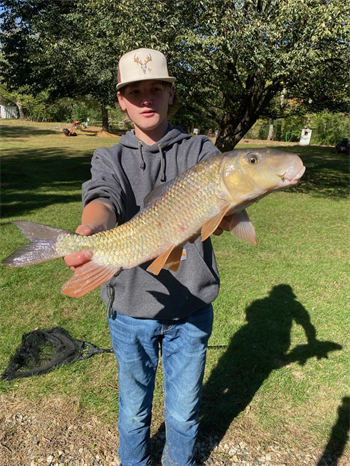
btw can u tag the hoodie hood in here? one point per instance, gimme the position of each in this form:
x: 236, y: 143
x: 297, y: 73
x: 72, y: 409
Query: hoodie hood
x: 172, y: 136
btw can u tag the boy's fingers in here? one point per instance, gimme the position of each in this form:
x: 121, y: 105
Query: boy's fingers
x: 225, y: 223
x: 79, y: 258
x: 85, y: 230
x: 194, y: 238
x: 218, y: 231
x: 75, y: 260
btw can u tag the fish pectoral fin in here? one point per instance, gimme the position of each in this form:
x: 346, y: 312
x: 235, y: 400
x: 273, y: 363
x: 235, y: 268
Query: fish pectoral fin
x: 88, y: 277
x: 159, y: 263
x: 211, y: 225
x: 242, y: 228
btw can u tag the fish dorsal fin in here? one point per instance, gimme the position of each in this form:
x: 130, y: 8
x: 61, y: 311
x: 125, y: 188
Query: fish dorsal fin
x: 88, y: 277
x: 156, y: 266
x: 155, y: 193
x: 211, y: 225
x: 242, y: 228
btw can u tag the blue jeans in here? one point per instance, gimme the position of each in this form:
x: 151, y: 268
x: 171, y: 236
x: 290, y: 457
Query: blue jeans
x: 183, y: 347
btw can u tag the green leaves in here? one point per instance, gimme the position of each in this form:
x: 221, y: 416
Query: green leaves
x: 230, y: 58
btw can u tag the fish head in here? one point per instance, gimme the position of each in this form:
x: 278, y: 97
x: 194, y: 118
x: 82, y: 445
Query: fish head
x: 251, y: 173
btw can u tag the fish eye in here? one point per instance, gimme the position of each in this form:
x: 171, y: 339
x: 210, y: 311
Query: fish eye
x: 253, y: 159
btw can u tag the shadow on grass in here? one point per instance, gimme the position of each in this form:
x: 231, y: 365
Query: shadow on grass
x: 259, y: 347
x: 326, y: 175
x: 339, y: 436
x: 8, y: 131
x: 35, y: 178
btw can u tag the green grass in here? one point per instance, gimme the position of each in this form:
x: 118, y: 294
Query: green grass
x: 278, y: 358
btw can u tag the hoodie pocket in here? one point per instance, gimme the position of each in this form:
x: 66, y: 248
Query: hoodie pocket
x: 205, y: 263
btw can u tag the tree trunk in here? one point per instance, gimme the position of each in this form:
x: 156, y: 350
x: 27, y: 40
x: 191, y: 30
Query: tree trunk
x: 279, y: 130
x: 279, y: 121
x: 105, y: 125
x: 270, y: 135
x: 226, y: 139
x: 232, y: 130
x: 20, y: 109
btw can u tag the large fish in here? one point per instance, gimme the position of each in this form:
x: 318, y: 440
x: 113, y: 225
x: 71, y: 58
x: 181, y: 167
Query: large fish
x: 193, y: 203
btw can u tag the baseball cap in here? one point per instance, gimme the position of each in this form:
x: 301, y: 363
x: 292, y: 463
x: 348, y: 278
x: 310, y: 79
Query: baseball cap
x: 142, y: 64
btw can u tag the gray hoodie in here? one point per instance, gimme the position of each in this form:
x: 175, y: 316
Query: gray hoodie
x: 123, y: 175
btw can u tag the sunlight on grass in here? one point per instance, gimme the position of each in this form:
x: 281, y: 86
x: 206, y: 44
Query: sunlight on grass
x: 279, y: 350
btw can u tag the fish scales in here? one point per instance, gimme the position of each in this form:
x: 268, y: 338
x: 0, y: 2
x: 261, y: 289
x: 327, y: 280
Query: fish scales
x: 193, y: 203
x: 175, y: 216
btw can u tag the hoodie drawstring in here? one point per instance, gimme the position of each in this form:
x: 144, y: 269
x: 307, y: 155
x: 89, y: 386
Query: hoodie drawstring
x: 142, y: 162
x: 162, y: 160
x: 162, y: 163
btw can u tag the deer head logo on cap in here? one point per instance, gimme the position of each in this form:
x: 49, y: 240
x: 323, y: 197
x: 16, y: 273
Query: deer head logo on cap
x: 143, y: 64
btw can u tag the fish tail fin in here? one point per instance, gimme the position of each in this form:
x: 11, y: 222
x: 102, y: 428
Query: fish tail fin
x: 41, y: 248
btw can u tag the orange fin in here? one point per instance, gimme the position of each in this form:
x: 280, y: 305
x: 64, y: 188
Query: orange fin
x: 174, y: 258
x: 242, y: 228
x: 211, y: 225
x: 86, y: 278
x: 160, y: 261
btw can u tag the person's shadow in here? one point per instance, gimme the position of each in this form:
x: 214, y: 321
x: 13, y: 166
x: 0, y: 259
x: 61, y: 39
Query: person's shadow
x: 259, y: 347
x: 339, y: 436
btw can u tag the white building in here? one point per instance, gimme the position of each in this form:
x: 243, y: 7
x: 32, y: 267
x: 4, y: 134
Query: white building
x: 305, y: 137
x: 7, y: 111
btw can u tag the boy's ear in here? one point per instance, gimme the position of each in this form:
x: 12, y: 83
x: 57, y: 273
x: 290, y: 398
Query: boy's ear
x: 121, y: 101
x: 171, y: 95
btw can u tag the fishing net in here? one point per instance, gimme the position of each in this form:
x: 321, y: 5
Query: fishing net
x: 42, y: 350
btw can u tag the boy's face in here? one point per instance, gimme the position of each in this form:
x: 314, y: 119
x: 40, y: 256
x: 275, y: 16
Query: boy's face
x: 146, y: 103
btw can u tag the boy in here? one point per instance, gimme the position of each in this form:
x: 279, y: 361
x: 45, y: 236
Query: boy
x: 171, y: 311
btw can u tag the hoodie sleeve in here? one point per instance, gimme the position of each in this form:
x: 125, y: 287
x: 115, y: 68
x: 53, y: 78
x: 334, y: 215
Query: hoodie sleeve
x: 207, y: 149
x: 104, y: 184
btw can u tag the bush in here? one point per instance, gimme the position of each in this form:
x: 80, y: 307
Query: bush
x: 327, y: 128
x: 330, y: 128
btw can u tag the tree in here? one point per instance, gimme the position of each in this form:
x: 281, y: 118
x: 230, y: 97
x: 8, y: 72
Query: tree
x: 50, y: 46
x: 240, y: 55
x: 72, y: 49
x: 15, y: 97
x: 231, y: 58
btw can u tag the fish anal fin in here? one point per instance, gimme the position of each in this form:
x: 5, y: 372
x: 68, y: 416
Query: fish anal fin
x: 211, y: 225
x: 174, y: 258
x: 88, y: 277
x: 156, y: 266
x: 242, y: 228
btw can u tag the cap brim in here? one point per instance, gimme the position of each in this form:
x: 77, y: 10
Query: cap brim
x: 168, y: 79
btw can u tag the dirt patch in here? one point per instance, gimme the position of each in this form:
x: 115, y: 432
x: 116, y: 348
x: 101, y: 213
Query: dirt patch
x: 264, y: 142
x: 97, y: 131
x: 105, y: 134
x: 260, y: 142
x: 56, y: 431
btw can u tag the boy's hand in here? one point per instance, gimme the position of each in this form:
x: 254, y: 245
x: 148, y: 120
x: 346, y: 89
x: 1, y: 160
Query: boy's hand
x: 223, y: 226
x: 79, y: 258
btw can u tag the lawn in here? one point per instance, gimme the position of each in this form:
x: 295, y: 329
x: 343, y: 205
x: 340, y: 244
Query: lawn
x: 276, y: 375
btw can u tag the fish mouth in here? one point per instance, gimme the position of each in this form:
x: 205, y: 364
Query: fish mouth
x: 292, y: 178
